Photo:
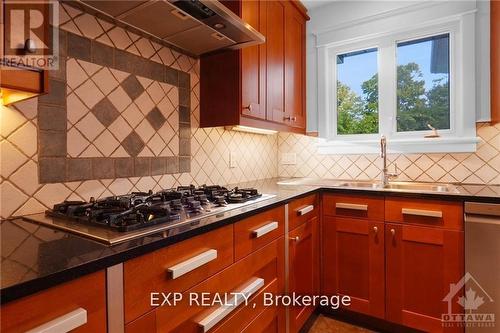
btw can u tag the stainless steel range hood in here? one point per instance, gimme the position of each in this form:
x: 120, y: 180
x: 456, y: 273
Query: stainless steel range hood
x: 195, y: 26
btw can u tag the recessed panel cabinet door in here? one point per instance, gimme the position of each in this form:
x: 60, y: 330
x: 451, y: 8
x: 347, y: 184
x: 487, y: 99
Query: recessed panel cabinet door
x: 295, y: 64
x: 253, y: 63
x: 353, y: 263
x: 275, y: 42
x: 304, y: 269
x: 421, y: 263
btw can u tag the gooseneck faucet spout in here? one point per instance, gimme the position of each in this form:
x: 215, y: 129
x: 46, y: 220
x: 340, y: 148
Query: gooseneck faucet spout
x: 386, y: 176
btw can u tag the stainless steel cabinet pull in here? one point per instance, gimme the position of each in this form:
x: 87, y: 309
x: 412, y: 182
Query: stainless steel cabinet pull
x: 221, y: 312
x: 375, y: 229
x: 420, y: 212
x: 265, y: 229
x: 351, y: 206
x: 296, y: 238
x: 305, y: 210
x: 192, y: 263
x: 63, y: 324
x: 393, y: 232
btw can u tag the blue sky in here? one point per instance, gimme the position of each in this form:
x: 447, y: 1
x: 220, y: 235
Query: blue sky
x: 357, y: 69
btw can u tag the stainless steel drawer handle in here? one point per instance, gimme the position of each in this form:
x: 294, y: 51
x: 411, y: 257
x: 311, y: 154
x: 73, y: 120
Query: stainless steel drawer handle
x: 342, y: 205
x: 221, y: 312
x: 65, y: 323
x: 265, y: 229
x: 192, y: 263
x: 305, y: 210
x: 420, y: 212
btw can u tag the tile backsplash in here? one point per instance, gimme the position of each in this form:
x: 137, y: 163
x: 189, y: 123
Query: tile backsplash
x: 112, y: 125
x: 481, y: 167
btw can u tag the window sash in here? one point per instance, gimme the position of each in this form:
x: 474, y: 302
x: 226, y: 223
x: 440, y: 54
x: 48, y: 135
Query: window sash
x: 387, y: 74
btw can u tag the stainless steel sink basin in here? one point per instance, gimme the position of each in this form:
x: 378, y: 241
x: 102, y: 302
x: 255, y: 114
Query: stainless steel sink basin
x: 393, y: 186
x: 363, y: 184
x: 421, y: 187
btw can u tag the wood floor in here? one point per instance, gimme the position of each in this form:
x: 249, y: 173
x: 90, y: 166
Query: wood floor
x: 324, y: 324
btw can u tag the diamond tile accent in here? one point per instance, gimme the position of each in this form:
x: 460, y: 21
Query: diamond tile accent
x: 133, y: 144
x: 132, y: 87
x: 156, y: 118
x: 105, y: 112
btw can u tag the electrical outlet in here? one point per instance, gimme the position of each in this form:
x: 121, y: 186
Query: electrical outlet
x: 288, y: 158
x: 232, y: 160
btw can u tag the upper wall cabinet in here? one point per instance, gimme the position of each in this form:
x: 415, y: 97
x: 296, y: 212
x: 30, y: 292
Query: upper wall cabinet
x: 495, y: 60
x: 260, y: 86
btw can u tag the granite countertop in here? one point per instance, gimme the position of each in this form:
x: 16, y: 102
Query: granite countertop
x: 35, y: 257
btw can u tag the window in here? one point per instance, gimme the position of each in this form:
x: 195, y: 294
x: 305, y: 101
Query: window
x: 423, y: 84
x: 399, y: 75
x: 357, y: 92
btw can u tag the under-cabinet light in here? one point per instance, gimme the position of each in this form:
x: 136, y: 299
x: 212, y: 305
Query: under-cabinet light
x: 248, y: 129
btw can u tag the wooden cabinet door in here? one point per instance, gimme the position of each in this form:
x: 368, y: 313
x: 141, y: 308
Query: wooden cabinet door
x: 295, y: 67
x: 253, y: 63
x: 353, y: 263
x: 421, y: 264
x: 275, y: 47
x: 304, y: 269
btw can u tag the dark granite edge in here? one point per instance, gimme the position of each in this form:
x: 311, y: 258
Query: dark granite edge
x: 26, y: 288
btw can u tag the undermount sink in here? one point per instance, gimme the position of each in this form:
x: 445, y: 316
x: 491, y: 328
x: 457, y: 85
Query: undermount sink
x: 424, y: 187
x: 395, y: 186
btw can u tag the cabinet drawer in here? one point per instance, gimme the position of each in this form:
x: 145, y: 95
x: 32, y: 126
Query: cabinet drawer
x: 446, y: 214
x: 269, y: 321
x: 254, y: 232
x: 260, y: 270
x: 301, y: 210
x: 78, y: 305
x: 175, y: 268
x: 358, y: 206
x: 243, y: 317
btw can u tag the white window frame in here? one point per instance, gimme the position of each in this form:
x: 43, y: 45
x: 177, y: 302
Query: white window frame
x: 461, y: 137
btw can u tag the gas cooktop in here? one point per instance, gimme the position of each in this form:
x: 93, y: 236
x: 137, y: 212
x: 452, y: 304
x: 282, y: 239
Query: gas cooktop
x: 119, y: 218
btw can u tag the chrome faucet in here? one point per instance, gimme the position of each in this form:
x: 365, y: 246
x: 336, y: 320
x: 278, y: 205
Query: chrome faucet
x: 386, y: 176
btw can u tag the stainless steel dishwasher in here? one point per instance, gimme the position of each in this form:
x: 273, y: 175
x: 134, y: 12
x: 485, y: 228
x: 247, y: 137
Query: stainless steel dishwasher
x: 482, y: 261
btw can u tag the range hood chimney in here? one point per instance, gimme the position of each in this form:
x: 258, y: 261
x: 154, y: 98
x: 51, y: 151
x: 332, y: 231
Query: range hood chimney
x: 195, y: 26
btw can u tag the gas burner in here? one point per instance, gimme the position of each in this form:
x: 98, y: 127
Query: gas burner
x: 142, y: 209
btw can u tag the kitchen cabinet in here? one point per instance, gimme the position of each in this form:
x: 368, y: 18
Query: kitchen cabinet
x: 495, y: 60
x: 275, y: 45
x: 353, y: 263
x: 424, y: 256
x: 422, y: 263
x: 353, y: 251
x: 396, y: 257
x: 259, y: 86
x: 175, y: 268
x: 303, y: 258
x: 260, y: 272
x: 78, y: 305
x: 295, y: 68
x: 249, y: 257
